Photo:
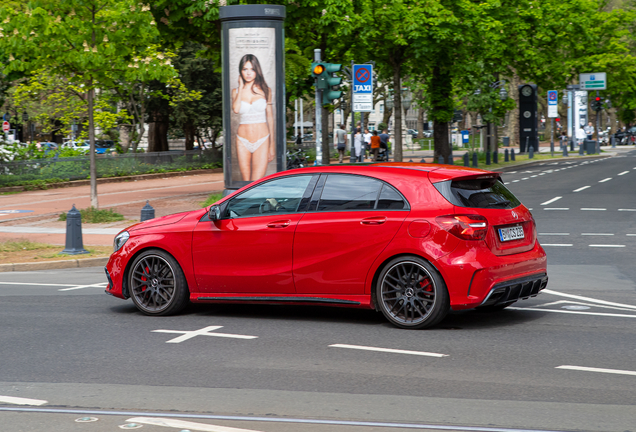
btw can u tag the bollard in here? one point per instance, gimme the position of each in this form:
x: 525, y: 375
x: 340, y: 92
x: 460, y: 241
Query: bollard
x: 506, y: 156
x: 451, y: 160
x: 495, y: 157
x: 512, y: 154
x: 487, y: 157
x: 74, y: 243
x: 466, y: 160
x: 440, y: 160
x: 531, y: 152
x: 565, y: 151
x: 147, y: 212
x: 411, y: 160
x: 613, y: 139
x: 423, y: 160
x: 581, y: 150
x: 572, y: 144
x: 474, y: 160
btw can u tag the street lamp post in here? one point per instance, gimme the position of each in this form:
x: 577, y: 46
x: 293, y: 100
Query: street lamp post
x: 25, y: 121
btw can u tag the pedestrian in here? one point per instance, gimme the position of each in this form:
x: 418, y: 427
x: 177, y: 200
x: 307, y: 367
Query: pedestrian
x: 367, y: 142
x: 580, y: 136
x: 375, y: 145
x: 357, y: 145
x: 384, y: 142
x: 589, y: 130
x: 341, y: 142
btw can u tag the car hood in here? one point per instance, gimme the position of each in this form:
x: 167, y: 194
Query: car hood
x: 165, y: 220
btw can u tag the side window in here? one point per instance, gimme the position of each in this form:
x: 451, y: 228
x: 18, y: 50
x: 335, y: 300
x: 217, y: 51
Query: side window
x: 390, y: 199
x: 274, y: 197
x: 348, y: 192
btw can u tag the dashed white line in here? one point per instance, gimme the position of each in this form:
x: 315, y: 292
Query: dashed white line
x: 570, y: 312
x: 581, y: 188
x: 525, y: 178
x: 596, y: 234
x: 627, y: 210
x: 533, y: 176
x: 630, y: 235
x: 556, y: 208
x: 555, y: 245
x: 388, y: 350
x: 600, y: 370
x: 185, y: 425
x: 604, y: 180
x: 555, y: 234
x: 623, y: 173
x: 515, y: 181
x: 593, y: 209
x: 606, y: 246
x: 551, y: 201
x: 587, y: 299
x: 21, y: 401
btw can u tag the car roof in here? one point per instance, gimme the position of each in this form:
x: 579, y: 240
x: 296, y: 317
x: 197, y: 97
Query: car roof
x: 437, y: 172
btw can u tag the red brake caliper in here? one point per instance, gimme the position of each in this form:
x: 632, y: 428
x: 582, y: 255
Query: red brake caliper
x: 143, y: 278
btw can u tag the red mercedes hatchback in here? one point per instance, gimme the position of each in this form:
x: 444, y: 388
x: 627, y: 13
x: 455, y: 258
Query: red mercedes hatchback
x: 410, y: 240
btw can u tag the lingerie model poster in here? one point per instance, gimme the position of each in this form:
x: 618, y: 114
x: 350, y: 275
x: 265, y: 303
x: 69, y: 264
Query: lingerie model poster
x: 252, y: 68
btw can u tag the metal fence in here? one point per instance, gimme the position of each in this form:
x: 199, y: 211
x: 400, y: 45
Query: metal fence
x: 111, y: 165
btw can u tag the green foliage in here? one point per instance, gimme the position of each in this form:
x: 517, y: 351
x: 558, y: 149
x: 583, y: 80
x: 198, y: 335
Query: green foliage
x: 93, y: 215
x: 20, y: 245
x: 212, y: 199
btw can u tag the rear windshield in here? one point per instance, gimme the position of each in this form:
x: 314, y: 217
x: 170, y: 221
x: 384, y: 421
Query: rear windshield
x: 478, y: 193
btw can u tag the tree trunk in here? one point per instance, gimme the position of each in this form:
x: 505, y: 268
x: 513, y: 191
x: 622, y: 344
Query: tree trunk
x: 513, y: 118
x: 397, y: 110
x: 91, y: 140
x: 441, y: 109
x: 420, y: 123
x: 157, y: 133
x: 189, y: 130
x: 125, y: 132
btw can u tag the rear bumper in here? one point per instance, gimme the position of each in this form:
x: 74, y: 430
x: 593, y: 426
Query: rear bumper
x: 509, y: 292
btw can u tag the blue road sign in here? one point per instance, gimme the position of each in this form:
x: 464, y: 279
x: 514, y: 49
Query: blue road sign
x: 362, y: 88
x: 552, y: 103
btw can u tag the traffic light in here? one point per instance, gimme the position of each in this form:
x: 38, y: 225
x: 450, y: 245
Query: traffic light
x: 597, y: 104
x: 327, y: 81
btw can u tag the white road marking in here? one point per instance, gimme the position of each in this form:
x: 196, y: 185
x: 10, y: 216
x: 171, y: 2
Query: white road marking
x: 556, y: 208
x: 185, y: 425
x: 581, y: 188
x: 623, y: 173
x: 588, y: 299
x: 596, y: 234
x: 607, y: 246
x: 631, y: 235
x: 554, y: 244
x: 21, y: 401
x: 593, y: 209
x: 626, y: 209
x: 551, y: 201
x: 525, y: 178
x: 388, y: 350
x: 533, y: 176
x: 574, y: 312
x: 600, y: 370
x: 604, y: 180
x: 570, y: 302
x: 100, y: 285
x: 37, y: 284
x: 515, y: 181
x: 185, y: 335
x: 506, y: 183
x: 555, y: 234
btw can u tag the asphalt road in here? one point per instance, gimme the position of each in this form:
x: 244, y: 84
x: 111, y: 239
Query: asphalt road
x: 563, y: 361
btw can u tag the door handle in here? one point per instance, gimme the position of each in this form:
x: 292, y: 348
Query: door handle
x: 279, y: 224
x: 376, y: 220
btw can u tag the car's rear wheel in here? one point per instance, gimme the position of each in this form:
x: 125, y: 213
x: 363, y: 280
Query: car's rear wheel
x: 411, y: 293
x: 157, y: 284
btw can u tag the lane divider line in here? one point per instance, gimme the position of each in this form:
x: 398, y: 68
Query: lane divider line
x: 388, y: 350
x: 185, y: 425
x: 593, y: 209
x: 600, y: 370
x: 571, y: 312
x: 588, y: 299
x: 556, y: 208
x: 604, y: 180
x: 623, y: 173
x: 596, y: 234
x: 606, y: 246
x: 555, y: 244
x: 581, y: 188
x: 551, y: 201
x: 21, y: 401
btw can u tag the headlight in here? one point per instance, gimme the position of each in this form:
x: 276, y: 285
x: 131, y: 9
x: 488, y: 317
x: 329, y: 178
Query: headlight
x: 119, y: 241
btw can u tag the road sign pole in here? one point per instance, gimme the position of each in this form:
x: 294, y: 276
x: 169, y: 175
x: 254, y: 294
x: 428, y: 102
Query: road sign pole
x: 352, y: 152
x: 598, y: 126
x: 318, y: 117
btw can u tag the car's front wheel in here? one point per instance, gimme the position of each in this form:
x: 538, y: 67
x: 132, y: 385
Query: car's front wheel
x: 411, y: 293
x: 157, y: 284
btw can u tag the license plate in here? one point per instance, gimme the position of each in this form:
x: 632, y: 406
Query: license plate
x: 511, y: 233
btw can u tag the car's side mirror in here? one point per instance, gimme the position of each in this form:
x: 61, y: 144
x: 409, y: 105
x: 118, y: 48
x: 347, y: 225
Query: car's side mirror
x: 214, y: 213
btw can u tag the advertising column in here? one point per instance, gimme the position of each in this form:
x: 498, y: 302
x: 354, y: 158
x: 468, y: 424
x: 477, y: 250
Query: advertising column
x: 253, y: 92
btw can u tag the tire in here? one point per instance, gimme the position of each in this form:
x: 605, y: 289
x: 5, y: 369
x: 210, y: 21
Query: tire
x: 167, y: 293
x: 411, y: 293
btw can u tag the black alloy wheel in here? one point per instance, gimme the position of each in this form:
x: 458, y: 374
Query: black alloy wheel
x: 157, y: 284
x: 411, y: 293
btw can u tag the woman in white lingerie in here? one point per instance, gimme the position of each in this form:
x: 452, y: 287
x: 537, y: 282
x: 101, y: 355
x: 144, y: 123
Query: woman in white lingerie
x: 252, y: 101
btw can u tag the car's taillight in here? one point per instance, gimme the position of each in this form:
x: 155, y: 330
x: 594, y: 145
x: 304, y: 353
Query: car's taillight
x: 466, y: 227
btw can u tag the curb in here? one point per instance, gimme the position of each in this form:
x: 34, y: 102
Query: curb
x: 117, y: 179
x: 51, y: 265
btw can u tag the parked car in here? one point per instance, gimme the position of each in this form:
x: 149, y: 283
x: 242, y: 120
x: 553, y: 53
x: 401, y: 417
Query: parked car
x: 104, y: 146
x: 410, y: 243
x: 80, y: 145
x: 412, y: 132
x: 47, y: 146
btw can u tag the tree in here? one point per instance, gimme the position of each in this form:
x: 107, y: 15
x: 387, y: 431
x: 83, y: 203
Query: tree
x: 91, y: 42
